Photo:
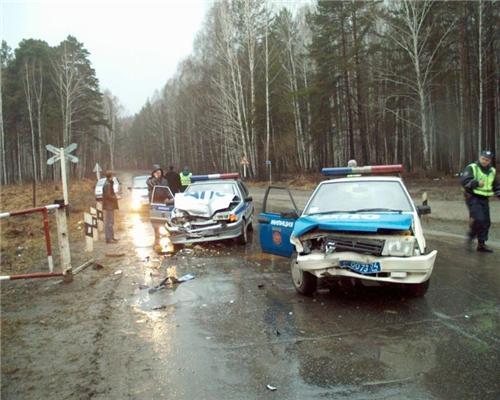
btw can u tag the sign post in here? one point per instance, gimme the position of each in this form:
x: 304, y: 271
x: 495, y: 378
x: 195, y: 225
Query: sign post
x: 245, y: 163
x: 97, y: 170
x: 269, y: 164
x: 62, y: 154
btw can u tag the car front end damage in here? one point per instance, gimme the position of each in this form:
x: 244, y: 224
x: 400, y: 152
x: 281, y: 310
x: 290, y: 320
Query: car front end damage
x: 202, y: 218
x: 393, y: 257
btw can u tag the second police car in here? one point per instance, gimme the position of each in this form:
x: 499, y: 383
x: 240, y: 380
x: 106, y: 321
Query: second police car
x: 352, y: 228
x: 213, y: 207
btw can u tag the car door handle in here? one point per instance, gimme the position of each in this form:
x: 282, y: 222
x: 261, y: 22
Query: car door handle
x: 264, y: 220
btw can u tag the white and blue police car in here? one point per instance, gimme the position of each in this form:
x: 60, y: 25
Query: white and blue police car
x: 352, y: 228
x: 213, y: 207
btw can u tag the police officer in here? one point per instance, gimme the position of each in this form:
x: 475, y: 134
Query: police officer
x: 185, y: 176
x: 480, y: 183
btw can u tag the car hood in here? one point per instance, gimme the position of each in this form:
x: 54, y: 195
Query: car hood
x: 361, y: 222
x: 203, y: 204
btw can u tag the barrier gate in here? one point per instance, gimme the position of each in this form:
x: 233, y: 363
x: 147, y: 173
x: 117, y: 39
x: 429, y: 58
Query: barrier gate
x: 62, y: 238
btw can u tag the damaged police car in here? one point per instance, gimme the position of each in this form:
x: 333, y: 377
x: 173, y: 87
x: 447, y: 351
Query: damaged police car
x: 213, y: 207
x: 352, y: 228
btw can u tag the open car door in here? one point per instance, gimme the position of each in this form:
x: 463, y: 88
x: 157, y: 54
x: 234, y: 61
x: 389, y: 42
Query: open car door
x: 276, y: 222
x: 162, y: 204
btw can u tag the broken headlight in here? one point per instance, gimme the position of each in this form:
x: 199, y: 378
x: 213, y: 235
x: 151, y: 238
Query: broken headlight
x: 402, y: 246
x: 225, y: 216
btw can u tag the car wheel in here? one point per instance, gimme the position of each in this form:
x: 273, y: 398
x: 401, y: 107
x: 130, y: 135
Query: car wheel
x: 417, y: 289
x: 243, y: 238
x: 304, y: 282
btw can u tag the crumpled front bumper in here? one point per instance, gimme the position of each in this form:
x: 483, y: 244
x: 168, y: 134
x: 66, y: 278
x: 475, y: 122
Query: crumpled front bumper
x: 219, y: 231
x: 415, y: 269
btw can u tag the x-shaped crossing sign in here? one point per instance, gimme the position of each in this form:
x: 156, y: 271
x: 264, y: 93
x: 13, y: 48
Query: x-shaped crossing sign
x: 66, y: 153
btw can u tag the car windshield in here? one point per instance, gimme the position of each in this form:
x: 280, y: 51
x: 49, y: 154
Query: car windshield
x: 140, y: 182
x: 359, y: 196
x: 221, y: 187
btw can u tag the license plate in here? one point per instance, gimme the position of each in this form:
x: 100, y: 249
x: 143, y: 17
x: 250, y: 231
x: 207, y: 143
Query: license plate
x: 361, y: 268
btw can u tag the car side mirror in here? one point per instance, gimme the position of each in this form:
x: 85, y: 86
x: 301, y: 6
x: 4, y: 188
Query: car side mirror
x: 423, y: 210
x: 248, y: 199
x: 290, y: 214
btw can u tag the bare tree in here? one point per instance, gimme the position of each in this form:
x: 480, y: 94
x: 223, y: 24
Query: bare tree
x: 411, y: 33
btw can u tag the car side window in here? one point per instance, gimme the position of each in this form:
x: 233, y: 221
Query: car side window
x: 244, y: 190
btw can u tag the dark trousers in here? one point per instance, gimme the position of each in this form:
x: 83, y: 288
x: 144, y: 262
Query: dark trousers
x: 479, y: 213
x: 109, y: 221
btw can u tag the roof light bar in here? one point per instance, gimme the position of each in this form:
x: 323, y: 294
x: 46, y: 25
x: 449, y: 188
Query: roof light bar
x: 369, y: 169
x: 198, y: 178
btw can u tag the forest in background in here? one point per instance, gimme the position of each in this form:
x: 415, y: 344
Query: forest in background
x: 396, y: 81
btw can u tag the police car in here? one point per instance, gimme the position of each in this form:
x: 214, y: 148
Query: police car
x: 352, y: 228
x: 213, y: 207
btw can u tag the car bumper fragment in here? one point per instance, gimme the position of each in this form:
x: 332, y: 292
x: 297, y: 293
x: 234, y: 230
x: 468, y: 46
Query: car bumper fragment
x: 415, y: 269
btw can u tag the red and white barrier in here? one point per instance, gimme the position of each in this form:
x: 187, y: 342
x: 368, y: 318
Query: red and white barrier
x: 62, y: 239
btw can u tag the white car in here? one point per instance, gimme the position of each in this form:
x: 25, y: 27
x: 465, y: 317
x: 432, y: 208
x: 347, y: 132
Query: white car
x: 217, y: 207
x: 100, y: 184
x: 139, y: 191
x: 361, y: 227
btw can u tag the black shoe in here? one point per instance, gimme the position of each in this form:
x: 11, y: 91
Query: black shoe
x: 484, y: 249
x: 114, y: 240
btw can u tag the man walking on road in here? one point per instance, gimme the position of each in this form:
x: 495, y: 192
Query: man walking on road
x: 109, y: 205
x: 480, y: 183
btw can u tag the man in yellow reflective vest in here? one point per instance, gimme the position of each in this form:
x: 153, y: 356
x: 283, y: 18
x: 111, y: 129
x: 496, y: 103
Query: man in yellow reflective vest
x: 185, y: 176
x: 480, y: 183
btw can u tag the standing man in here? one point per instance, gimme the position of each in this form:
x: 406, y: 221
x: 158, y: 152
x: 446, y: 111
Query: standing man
x: 156, y: 179
x: 174, y: 182
x: 480, y: 183
x: 109, y: 205
x: 185, y: 177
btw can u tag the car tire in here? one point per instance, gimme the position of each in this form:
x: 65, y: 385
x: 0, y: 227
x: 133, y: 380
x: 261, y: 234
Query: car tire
x: 243, y: 238
x: 304, y: 282
x: 417, y: 289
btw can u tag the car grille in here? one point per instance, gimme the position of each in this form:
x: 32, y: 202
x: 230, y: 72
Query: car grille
x: 366, y: 246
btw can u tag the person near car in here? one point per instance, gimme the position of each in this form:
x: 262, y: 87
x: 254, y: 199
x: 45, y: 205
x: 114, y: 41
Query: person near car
x: 109, y: 205
x: 174, y: 181
x: 185, y: 177
x: 156, y: 179
x: 480, y: 182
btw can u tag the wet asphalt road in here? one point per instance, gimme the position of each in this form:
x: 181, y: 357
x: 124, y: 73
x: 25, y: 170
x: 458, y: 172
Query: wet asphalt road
x: 240, y: 325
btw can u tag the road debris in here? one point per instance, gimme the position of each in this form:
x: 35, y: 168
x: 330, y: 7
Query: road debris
x: 186, y: 251
x: 115, y: 254
x: 271, y: 388
x: 119, y: 272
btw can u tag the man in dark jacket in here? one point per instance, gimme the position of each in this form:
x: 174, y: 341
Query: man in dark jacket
x: 174, y: 181
x: 480, y: 183
x: 109, y: 205
x: 156, y: 179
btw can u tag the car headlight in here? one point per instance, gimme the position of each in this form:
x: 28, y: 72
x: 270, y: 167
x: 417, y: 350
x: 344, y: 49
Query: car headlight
x: 226, y: 216
x: 402, y: 247
x: 176, y: 213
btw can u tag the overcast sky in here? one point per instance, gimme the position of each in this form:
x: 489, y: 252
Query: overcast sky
x: 134, y: 46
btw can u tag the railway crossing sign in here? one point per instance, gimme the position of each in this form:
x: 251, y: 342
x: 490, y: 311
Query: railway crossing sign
x: 62, y: 154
